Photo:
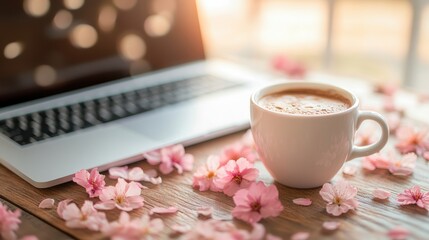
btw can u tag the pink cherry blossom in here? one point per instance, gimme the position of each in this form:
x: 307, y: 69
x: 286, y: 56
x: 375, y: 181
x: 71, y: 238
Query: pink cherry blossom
x: 375, y: 161
x: 205, y: 211
x: 137, y: 228
x: 300, y: 236
x: 291, y: 68
x: 236, y: 151
x: 235, y: 175
x: 29, y: 237
x: 162, y: 210
x: 170, y: 158
x: 302, y: 201
x: 85, y: 217
x: 9, y: 222
x: 388, y: 89
x: 349, y: 170
x: 381, y: 193
x: 393, y: 121
x: 47, y: 203
x: 410, y: 139
x: 331, y: 225
x: 257, y: 202
x: 426, y: 155
x: 135, y: 174
x: 62, y: 206
x: 398, y: 233
x: 92, y: 182
x: 124, y: 196
x: 366, y: 135
x: 178, y: 228
x: 204, y: 176
x: 389, y: 105
x: 403, y: 166
x: 272, y: 237
x: 414, y: 196
x: 340, y: 197
x: 397, y: 165
x: 218, y: 230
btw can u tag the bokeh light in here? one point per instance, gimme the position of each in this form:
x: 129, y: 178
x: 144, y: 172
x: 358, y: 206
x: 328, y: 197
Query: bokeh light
x: 45, y: 75
x: 73, y: 4
x: 107, y: 18
x: 63, y: 19
x: 13, y: 50
x: 157, y: 25
x: 125, y: 4
x: 132, y: 47
x: 36, y: 8
x: 83, y: 36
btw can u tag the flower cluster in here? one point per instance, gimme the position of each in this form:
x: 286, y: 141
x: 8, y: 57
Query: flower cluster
x: 170, y: 158
x: 400, y: 166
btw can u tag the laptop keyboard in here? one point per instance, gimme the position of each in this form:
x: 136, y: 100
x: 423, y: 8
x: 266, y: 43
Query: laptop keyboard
x: 38, y: 126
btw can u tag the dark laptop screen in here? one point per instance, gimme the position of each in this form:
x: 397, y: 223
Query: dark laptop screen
x: 49, y: 47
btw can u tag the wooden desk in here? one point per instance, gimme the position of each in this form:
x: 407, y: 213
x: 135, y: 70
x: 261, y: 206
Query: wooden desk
x: 371, y: 220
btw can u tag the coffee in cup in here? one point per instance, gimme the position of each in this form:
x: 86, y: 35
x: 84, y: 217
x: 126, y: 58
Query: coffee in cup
x: 305, y: 131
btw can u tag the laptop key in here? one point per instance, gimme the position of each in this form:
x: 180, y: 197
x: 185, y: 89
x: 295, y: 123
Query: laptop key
x: 51, y: 123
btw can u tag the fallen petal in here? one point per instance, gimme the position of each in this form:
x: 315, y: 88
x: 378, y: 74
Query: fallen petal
x: 350, y: 170
x: 151, y: 173
x: 62, y: 205
x: 398, y: 233
x: 331, y: 225
x: 205, y: 211
x: 47, y: 203
x: 29, y: 237
x: 272, y: 237
x: 181, y: 228
x: 381, y: 193
x: 157, y: 180
x: 426, y: 155
x: 300, y: 236
x: 257, y: 232
x: 302, y: 201
x: 161, y: 210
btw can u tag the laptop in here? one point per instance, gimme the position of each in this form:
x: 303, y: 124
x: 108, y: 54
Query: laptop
x: 87, y: 84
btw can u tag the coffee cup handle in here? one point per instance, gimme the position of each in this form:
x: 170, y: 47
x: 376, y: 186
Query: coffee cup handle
x: 360, y: 151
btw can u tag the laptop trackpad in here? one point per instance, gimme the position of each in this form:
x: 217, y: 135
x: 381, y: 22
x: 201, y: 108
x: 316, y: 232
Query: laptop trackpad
x: 181, y: 122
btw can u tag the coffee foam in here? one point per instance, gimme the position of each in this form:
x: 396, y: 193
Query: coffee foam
x: 305, y: 102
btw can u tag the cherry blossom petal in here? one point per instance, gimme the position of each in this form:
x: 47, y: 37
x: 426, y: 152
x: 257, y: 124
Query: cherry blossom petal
x: 272, y: 237
x: 302, y: 201
x: 47, y: 203
x: 331, y: 225
x: 9, y: 222
x: 162, y: 210
x: 29, y: 237
x: 339, y: 197
x: 151, y: 173
x: 153, y: 157
x: 381, y: 193
x: 258, y: 231
x: 118, y: 172
x: 300, y: 236
x: 426, y: 155
x: 205, y: 211
x: 398, y: 233
x: 62, y: 205
x: 350, y: 170
x: 181, y: 228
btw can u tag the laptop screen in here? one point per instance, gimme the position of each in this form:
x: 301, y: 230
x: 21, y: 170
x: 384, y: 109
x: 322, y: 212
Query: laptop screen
x: 50, y: 47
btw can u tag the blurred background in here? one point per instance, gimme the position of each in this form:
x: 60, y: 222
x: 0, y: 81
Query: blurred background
x: 383, y: 41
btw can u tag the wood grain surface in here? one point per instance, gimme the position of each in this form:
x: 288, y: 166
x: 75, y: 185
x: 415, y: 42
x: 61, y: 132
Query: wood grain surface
x: 372, y: 219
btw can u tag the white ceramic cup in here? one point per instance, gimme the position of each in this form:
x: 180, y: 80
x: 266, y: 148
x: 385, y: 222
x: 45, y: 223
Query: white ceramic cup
x: 306, y: 151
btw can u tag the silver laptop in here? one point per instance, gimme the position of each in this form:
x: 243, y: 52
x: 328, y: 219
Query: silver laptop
x: 96, y: 84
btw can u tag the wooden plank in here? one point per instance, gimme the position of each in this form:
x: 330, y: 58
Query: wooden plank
x: 372, y: 219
